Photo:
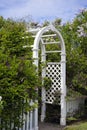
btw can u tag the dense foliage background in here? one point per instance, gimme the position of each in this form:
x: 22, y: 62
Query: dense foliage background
x: 75, y: 36
x: 18, y: 77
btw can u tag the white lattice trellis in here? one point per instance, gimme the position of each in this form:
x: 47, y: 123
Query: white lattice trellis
x: 53, y: 71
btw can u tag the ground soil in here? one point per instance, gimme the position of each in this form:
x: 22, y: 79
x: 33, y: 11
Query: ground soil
x: 50, y: 126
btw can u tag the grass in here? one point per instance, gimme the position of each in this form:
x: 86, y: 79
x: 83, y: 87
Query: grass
x: 78, y: 126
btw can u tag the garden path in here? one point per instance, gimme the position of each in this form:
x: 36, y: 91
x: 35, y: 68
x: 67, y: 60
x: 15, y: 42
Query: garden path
x: 49, y: 126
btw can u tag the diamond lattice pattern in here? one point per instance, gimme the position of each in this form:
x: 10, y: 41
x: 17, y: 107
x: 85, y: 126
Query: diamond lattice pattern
x: 53, y: 71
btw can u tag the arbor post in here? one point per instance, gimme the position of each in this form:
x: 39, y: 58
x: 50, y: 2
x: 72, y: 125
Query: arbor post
x: 63, y: 89
x: 43, y: 108
x: 35, y: 57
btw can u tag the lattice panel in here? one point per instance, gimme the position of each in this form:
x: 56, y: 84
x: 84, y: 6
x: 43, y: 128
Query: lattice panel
x: 53, y: 71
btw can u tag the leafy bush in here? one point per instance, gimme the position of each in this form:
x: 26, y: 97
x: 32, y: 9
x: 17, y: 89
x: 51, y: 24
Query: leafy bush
x: 18, y: 77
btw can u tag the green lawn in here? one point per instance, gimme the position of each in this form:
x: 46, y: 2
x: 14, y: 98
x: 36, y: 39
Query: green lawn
x: 79, y: 126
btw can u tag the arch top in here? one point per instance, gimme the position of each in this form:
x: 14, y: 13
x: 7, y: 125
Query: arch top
x: 46, y: 29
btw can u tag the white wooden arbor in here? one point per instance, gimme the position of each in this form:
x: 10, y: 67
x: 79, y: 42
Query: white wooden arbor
x: 40, y: 34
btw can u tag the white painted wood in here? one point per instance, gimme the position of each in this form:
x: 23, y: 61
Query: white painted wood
x: 73, y: 105
x: 53, y: 51
x: 36, y: 119
x: 63, y: 68
x: 51, y: 43
x: 31, y: 121
x: 51, y: 35
x: 43, y: 60
x: 63, y: 90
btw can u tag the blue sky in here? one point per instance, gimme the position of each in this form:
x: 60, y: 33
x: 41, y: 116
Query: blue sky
x: 39, y: 10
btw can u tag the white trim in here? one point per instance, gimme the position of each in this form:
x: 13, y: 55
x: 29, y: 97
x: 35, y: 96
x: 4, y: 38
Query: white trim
x: 52, y: 43
x: 52, y: 51
x: 52, y: 35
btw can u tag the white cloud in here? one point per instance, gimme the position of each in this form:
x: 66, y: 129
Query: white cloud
x: 39, y: 9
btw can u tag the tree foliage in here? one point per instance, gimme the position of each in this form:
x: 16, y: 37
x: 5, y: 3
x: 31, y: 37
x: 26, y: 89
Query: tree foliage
x: 18, y: 77
x: 75, y: 37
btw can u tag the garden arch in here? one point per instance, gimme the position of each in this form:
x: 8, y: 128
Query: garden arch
x: 42, y: 33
